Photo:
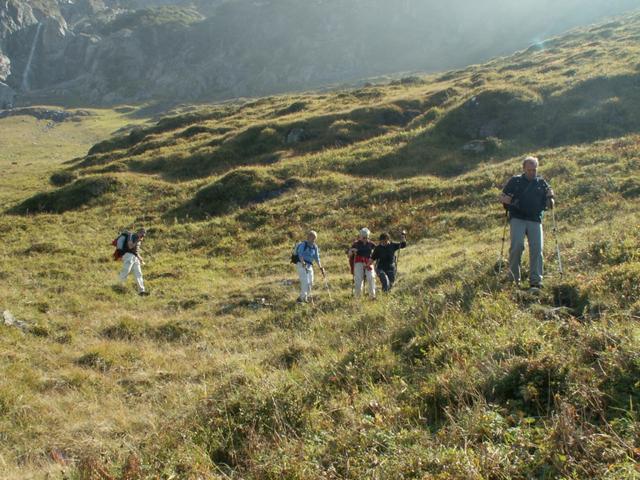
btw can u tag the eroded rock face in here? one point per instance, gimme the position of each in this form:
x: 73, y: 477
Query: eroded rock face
x: 5, y: 67
x: 106, y: 51
x: 7, y: 96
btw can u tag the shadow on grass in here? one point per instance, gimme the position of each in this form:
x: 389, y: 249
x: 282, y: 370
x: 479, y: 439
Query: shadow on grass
x: 71, y: 197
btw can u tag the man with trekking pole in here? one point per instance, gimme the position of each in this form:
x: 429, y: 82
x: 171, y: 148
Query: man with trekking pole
x: 526, y: 197
x: 305, y: 253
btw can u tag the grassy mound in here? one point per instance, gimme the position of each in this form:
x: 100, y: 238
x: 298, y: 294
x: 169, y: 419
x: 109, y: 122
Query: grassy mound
x: 236, y: 189
x: 491, y: 113
x: 78, y: 194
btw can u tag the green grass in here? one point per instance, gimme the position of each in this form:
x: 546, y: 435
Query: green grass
x: 220, y: 374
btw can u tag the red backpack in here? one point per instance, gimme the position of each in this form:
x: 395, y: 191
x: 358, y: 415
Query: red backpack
x: 120, y: 242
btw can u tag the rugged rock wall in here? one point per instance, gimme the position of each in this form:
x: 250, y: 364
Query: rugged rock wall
x: 110, y: 51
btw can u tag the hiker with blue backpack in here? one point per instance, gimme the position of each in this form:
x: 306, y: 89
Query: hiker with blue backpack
x: 526, y: 197
x: 128, y: 249
x: 304, y: 254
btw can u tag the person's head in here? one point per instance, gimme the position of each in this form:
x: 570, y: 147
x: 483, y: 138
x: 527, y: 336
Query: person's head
x: 141, y: 233
x: 312, y: 236
x: 385, y: 238
x: 530, y: 167
x: 364, y: 233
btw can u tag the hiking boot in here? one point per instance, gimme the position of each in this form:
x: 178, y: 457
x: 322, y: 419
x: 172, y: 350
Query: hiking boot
x: 143, y: 293
x: 537, y: 286
x: 300, y: 300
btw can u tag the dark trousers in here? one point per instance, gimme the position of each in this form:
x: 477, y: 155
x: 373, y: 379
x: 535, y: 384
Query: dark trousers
x: 387, y: 276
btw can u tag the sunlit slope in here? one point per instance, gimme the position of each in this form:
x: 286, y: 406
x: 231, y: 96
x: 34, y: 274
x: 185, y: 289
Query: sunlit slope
x: 219, y: 374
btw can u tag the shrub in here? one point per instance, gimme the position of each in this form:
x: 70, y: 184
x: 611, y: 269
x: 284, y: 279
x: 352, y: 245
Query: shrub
x: 173, y: 332
x: 95, y: 360
x: 61, y: 178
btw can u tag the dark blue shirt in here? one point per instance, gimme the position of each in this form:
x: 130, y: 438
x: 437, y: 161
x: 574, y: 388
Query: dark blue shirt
x: 386, y: 254
x: 529, y: 197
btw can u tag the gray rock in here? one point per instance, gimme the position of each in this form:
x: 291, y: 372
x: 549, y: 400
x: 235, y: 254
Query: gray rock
x: 11, y: 321
x: 296, y: 135
x: 475, y: 146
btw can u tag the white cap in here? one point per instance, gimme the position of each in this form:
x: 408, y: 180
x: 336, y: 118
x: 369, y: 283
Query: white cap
x: 364, y: 232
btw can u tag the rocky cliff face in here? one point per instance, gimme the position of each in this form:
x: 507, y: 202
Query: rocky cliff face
x: 110, y: 51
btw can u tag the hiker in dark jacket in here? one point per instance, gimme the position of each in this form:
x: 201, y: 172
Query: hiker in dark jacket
x: 526, y: 197
x: 131, y: 260
x: 385, y: 257
x: 362, y: 264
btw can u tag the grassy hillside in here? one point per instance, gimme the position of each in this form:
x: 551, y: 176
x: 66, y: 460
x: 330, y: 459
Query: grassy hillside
x: 220, y: 374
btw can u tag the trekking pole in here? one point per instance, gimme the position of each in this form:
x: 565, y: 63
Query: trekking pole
x: 504, y: 238
x: 555, y: 235
x: 308, y: 274
x: 397, y: 259
x: 326, y: 286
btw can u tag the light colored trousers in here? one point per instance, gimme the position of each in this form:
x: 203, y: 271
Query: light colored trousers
x: 360, y: 274
x: 306, y: 280
x: 131, y: 262
x: 533, y: 232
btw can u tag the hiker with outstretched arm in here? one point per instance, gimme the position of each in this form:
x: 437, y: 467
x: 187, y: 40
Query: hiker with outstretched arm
x: 385, y: 257
x: 307, y: 252
x: 526, y: 197
x: 362, y: 264
x: 132, y: 261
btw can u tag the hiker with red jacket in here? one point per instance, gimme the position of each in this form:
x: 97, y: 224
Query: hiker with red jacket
x: 385, y: 257
x: 362, y: 264
x: 131, y: 259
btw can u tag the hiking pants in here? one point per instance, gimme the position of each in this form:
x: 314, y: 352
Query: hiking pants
x: 306, y: 280
x: 131, y: 262
x: 360, y: 274
x: 533, y: 232
x: 387, y: 276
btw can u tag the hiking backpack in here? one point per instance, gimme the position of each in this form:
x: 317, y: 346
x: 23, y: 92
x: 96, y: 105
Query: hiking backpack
x: 295, y: 258
x: 120, y: 242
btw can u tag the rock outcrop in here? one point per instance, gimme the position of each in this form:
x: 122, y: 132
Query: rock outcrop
x: 111, y: 51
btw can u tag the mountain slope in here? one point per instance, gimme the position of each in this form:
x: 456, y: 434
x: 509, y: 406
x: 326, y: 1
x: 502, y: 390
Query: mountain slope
x: 220, y: 374
x: 110, y: 52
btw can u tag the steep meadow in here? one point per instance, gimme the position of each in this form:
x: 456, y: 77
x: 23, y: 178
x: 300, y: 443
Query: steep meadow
x: 220, y: 374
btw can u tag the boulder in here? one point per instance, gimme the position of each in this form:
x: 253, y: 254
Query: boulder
x: 296, y: 135
x: 476, y: 146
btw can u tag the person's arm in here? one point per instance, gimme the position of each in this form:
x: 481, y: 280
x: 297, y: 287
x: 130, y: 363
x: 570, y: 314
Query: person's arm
x: 317, y: 259
x: 508, y: 191
x: 403, y: 239
x: 550, y: 202
x: 131, y: 243
x: 372, y: 247
x: 300, y: 252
